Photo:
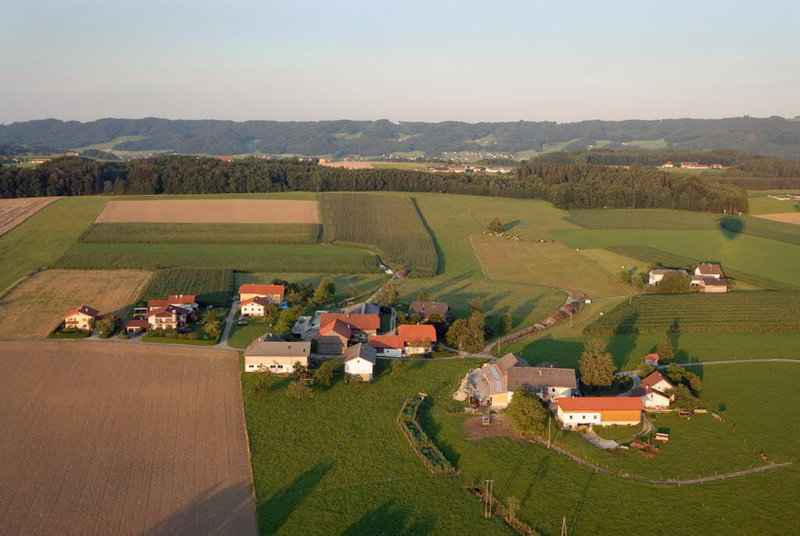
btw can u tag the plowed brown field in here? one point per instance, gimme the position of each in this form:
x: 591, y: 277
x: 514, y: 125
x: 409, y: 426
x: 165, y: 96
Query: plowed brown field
x: 15, y: 211
x: 122, y: 438
x: 788, y: 217
x: 211, y: 211
x: 37, y: 305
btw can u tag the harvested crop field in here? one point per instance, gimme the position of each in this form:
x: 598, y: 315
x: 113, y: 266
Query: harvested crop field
x: 114, y: 438
x: 347, y: 165
x: 210, y: 211
x: 788, y: 217
x: 15, y: 211
x: 37, y: 305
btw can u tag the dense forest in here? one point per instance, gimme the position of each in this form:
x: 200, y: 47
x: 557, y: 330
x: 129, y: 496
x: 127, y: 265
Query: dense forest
x: 772, y: 136
x: 565, y: 185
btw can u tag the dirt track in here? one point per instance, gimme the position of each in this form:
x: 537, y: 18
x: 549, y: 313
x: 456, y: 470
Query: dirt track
x: 210, y: 211
x: 122, y: 439
x: 788, y: 217
x: 15, y: 211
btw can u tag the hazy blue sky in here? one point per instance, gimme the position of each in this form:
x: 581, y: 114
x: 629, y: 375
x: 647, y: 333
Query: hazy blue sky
x: 431, y: 61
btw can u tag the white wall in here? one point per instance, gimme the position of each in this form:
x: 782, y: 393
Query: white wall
x: 359, y: 366
x: 276, y: 365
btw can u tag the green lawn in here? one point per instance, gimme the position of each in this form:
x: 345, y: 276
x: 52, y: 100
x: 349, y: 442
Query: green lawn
x: 245, y: 257
x: 203, y: 233
x: 308, y: 481
x: 737, y: 251
x: 243, y: 336
x: 656, y: 218
x: 767, y: 205
x: 45, y: 236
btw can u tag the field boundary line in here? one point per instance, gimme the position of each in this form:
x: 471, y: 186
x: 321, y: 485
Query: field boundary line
x: 18, y: 282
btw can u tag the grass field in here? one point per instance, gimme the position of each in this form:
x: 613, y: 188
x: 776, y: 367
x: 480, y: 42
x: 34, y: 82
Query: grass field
x: 198, y: 233
x: 735, y: 251
x: 752, y: 311
x: 15, y: 211
x: 244, y: 257
x: 211, y: 286
x: 37, y: 305
x: 210, y: 211
x: 550, y: 264
x: 767, y: 205
x: 656, y: 218
x: 389, y: 223
x: 122, y: 439
x: 351, y: 471
x: 45, y: 236
x: 453, y: 219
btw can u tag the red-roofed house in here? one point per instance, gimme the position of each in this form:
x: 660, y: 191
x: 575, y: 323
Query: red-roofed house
x: 82, y: 317
x: 184, y: 301
x: 170, y: 317
x: 274, y: 293
x: 418, y: 339
x: 255, y: 306
x: 136, y: 326
x: 599, y: 411
x: 333, y: 337
x: 651, y: 359
x: 362, y: 325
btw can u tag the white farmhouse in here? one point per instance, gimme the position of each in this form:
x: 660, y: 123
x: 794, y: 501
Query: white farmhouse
x: 277, y: 357
x: 654, y: 391
x: 655, y: 276
x: 359, y: 360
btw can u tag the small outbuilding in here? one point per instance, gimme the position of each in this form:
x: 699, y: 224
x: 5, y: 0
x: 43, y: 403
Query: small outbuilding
x: 359, y: 360
x: 136, y: 326
x: 276, y: 356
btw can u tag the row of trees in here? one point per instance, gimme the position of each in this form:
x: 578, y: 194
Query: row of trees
x: 565, y: 185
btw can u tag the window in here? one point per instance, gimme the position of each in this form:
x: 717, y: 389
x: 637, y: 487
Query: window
x: 571, y: 417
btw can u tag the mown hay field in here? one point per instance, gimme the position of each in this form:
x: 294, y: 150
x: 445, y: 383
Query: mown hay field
x: 210, y: 211
x: 790, y: 217
x: 211, y: 286
x: 751, y: 311
x: 199, y: 233
x: 15, y: 211
x: 550, y: 264
x: 389, y: 223
x: 37, y: 305
x: 243, y: 257
x: 114, y: 438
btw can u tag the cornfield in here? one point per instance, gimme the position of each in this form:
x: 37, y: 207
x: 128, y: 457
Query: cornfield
x: 211, y: 286
x: 751, y: 312
x: 391, y: 224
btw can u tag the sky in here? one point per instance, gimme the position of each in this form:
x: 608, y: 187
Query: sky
x: 404, y: 61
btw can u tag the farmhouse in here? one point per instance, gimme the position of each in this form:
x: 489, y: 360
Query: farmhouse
x: 656, y: 275
x: 257, y: 306
x: 82, y: 317
x: 708, y: 270
x: 709, y: 278
x: 359, y: 360
x: 409, y: 340
x: 273, y: 293
x: 654, y: 392
x: 424, y: 309
x: 599, y: 411
x: 361, y: 325
x: 169, y: 317
x: 333, y: 337
x: 511, y: 371
x: 184, y: 301
x: 278, y: 357
x: 136, y: 326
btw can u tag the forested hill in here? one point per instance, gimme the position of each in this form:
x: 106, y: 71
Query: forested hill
x: 565, y: 185
x: 770, y: 136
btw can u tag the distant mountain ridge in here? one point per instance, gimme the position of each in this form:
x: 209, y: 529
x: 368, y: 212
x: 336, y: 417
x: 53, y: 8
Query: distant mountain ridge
x: 770, y: 136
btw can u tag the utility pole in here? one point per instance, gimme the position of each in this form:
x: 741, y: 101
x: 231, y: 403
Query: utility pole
x: 548, y: 431
x: 564, y: 526
x: 487, y: 508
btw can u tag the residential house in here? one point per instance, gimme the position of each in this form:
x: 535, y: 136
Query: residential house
x: 136, y: 326
x: 424, y: 309
x: 255, y: 306
x: 410, y: 339
x: 184, y: 301
x: 668, y: 165
x: 651, y: 359
x: 359, y: 360
x: 276, y: 356
x: 708, y: 270
x: 275, y: 293
x: 82, y: 317
x: 656, y: 275
x: 599, y: 411
x: 511, y: 371
x: 654, y: 391
x: 361, y: 325
x: 709, y: 278
x: 169, y: 317
x: 333, y: 337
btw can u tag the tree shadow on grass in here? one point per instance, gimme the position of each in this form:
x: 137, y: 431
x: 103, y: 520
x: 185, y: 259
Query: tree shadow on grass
x: 621, y: 348
x: 432, y: 428
x: 215, y: 510
x: 390, y: 519
x: 573, y: 529
x: 564, y: 353
x: 274, y: 512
